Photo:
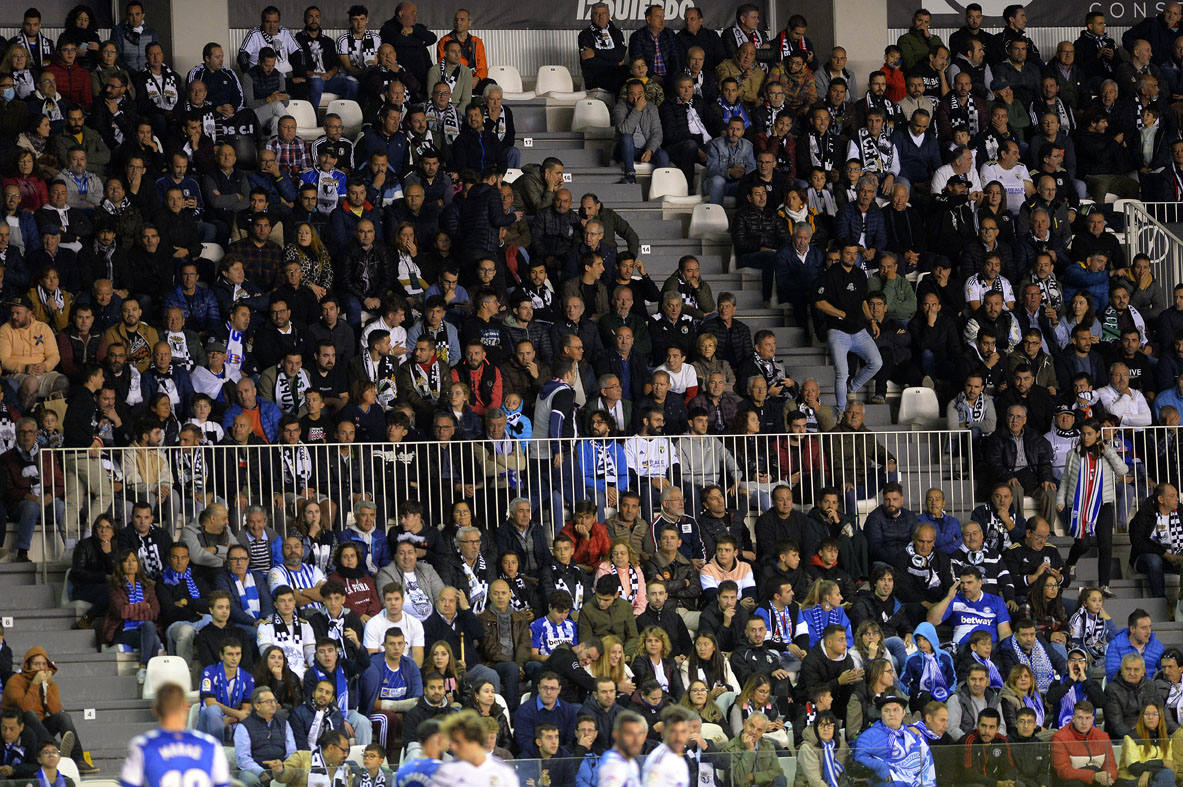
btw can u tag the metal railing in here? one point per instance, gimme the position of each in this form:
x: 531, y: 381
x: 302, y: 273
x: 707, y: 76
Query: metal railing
x: 177, y: 482
x: 1146, y: 232
x: 475, y: 481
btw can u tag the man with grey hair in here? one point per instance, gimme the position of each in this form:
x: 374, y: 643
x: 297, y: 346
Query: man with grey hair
x: 471, y: 570
x: 861, y: 221
x: 365, y: 532
x: 1022, y: 459
x: 262, y: 543
x: 262, y: 741
x: 524, y: 537
x: 602, y: 52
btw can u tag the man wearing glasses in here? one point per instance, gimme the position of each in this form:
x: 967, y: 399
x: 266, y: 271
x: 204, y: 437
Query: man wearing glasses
x: 250, y: 598
x: 262, y: 741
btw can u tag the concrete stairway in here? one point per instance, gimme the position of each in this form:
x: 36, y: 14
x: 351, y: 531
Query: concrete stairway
x: 98, y: 690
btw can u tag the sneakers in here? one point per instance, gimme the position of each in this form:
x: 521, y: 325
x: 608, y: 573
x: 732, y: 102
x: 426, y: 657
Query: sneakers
x: 1106, y: 592
x: 67, y: 744
x: 87, y: 766
x: 142, y: 675
x: 22, y: 556
x: 83, y: 623
x: 628, y: 179
x: 877, y: 399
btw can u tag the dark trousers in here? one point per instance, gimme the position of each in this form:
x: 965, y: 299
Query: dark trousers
x: 1155, y: 568
x: 684, y: 155
x: 57, y: 724
x: 1102, y: 540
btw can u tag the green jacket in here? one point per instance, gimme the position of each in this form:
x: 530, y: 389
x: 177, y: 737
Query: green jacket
x: 529, y: 191
x: 702, y: 293
x: 616, y: 226
x: 762, y: 763
x: 617, y: 620
x: 914, y: 47
x: 901, y: 298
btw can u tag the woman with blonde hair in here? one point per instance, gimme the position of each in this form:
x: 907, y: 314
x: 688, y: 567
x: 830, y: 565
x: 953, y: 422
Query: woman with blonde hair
x: 625, y: 564
x: 612, y: 665
x: 654, y: 662
x: 316, y: 266
x: 16, y: 62
x: 823, y: 607
x: 698, y: 699
x: 707, y: 362
x: 1020, y: 692
x: 1147, y: 761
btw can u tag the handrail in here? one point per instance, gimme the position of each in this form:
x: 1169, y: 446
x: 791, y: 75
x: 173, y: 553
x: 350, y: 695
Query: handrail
x: 1146, y: 232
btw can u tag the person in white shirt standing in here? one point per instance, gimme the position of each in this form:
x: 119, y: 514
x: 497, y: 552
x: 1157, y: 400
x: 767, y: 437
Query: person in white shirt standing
x: 473, y: 766
x: 666, y: 766
x: 618, y: 765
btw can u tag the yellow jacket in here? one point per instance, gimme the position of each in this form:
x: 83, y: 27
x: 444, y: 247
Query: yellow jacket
x: 20, y: 347
x: 297, y: 767
x: 1132, y: 754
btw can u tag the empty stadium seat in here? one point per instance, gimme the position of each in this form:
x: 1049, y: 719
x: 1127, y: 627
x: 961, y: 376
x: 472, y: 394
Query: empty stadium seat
x: 668, y: 184
x: 212, y: 252
x: 351, y: 116
x: 165, y: 669
x: 590, y: 114
x: 554, y: 82
x: 509, y: 79
x: 326, y: 99
x: 708, y: 222
x: 512, y: 174
x: 919, y: 408
x: 69, y: 769
x: 355, y: 754
x: 306, y: 126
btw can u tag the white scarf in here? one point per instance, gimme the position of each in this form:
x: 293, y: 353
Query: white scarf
x: 634, y: 581
x: 877, y: 152
x: 289, y: 391
x: 58, y: 298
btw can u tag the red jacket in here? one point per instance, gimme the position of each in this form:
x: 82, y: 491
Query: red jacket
x: 17, y: 483
x: 591, y: 550
x: 1071, y: 750
x: 484, y: 383
x: 73, y: 82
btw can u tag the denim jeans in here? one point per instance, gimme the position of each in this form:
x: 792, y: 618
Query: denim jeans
x: 1155, y: 568
x: 862, y: 345
x: 626, y: 149
x: 145, y: 638
x: 717, y: 187
x: 344, y: 86
x: 28, y: 515
x: 899, y: 652
x: 513, y: 158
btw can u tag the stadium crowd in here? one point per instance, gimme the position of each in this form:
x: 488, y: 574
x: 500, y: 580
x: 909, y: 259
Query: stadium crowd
x: 423, y: 341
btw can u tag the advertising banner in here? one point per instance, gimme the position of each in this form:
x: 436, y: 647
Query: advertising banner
x: 1040, y: 13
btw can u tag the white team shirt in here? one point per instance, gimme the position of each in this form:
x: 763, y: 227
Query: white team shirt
x: 616, y: 771
x: 663, y: 768
x: 491, y: 773
x: 376, y: 626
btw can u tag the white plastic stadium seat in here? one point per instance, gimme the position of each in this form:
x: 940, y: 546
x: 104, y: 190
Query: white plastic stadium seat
x: 69, y: 769
x: 165, y: 669
x: 590, y: 115
x: 668, y: 184
x: 555, y: 82
x: 212, y: 252
x: 509, y: 79
x: 355, y: 754
x: 1119, y: 205
x: 919, y: 407
x: 80, y: 607
x: 306, y: 126
x: 708, y: 222
x: 326, y: 99
x: 351, y: 116
x: 511, y: 174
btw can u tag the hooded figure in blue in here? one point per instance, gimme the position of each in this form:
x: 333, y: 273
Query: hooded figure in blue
x: 929, y: 673
x: 895, y: 753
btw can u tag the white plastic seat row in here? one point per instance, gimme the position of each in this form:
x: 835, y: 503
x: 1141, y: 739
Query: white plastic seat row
x: 553, y: 82
x: 307, y: 126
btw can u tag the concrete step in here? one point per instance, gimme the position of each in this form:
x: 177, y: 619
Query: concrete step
x: 28, y: 597
x: 608, y: 191
x: 107, y: 734
x: 574, y: 156
x: 653, y: 228
x: 54, y: 642
x: 80, y: 689
x: 528, y: 116
x: 135, y: 711
x: 42, y: 619
x: 549, y: 140
x: 91, y: 665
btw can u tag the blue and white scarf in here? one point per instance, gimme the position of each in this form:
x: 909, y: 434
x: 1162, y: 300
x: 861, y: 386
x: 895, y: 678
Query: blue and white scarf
x: 1035, y: 704
x: 60, y: 781
x: 248, y: 595
x: 1086, y: 499
x: 1067, y: 705
x: 1039, y: 663
x: 995, y: 675
x: 171, y: 577
x: 932, y: 678
x: 135, y: 594
x: 832, y: 769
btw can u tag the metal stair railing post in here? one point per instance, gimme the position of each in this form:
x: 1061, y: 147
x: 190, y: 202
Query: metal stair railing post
x: 1146, y: 232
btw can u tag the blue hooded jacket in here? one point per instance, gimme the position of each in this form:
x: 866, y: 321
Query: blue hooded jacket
x: 914, y: 668
x: 899, y: 757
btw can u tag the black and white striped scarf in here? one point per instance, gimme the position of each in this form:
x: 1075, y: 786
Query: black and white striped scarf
x: 634, y: 581
x: 965, y: 115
